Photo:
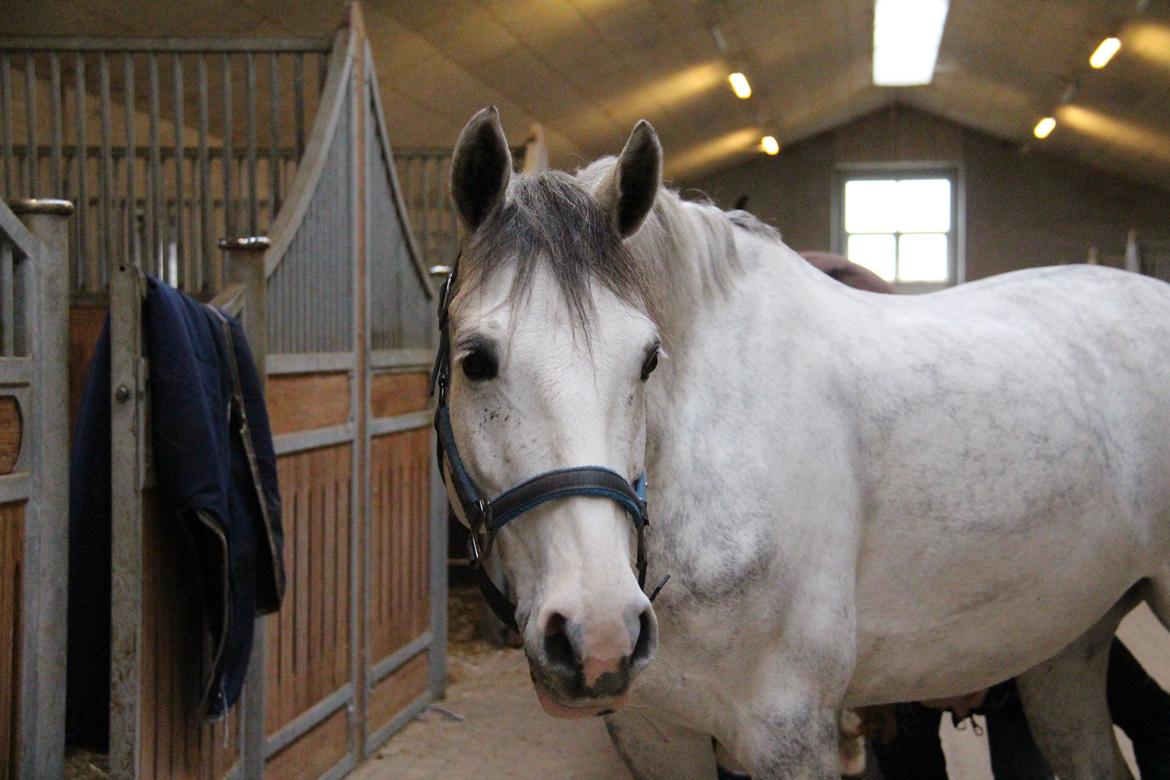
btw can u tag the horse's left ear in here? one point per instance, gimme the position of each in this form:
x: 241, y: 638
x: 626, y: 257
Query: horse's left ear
x: 630, y: 191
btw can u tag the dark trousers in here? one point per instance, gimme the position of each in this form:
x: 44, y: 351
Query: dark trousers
x: 1137, y: 704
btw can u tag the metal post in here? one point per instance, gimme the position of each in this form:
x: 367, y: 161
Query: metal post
x: 127, y: 447
x: 42, y: 739
x: 243, y: 260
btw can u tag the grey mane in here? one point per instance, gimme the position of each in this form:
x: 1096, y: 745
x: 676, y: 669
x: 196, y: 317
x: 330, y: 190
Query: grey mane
x: 753, y: 224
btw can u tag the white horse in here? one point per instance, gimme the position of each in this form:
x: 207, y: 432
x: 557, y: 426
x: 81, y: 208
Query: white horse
x: 859, y: 498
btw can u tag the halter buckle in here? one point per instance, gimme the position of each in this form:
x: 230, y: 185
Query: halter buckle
x: 484, y: 510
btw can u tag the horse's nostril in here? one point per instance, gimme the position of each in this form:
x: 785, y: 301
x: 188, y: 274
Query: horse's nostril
x: 557, y: 647
x: 647, y: 638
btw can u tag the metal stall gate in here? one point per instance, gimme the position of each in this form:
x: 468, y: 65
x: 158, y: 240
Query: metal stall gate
x: 34, y: 471
x: 167, y: 146
x: 358, y: 647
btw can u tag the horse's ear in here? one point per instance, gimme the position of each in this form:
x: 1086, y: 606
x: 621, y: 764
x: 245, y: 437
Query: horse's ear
x: 630, y: 191
x: 480, y: 168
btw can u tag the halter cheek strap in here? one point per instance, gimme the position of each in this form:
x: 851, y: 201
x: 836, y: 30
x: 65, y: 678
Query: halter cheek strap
x: 485, y: 517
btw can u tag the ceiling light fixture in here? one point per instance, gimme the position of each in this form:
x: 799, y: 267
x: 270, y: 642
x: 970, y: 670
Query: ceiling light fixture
x: 1044, y: 128
x: 770, y: 145
x: 1104, y: 52
x: 740, y: 85
x: 906, y: 37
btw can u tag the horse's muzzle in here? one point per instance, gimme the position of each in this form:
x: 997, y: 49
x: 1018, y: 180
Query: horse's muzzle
x: 584, y: 670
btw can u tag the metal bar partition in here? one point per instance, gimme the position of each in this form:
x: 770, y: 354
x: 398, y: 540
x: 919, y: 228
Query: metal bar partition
x: 197, y: 174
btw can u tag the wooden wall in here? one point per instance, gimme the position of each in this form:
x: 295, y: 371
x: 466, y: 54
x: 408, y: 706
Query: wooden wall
x: 309, y: 638
x: 400, y: 553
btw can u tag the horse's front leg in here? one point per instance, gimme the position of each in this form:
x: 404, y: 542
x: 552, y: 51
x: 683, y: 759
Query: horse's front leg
x: 794, y: 737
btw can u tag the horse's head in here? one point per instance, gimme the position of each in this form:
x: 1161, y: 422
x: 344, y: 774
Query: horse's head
x: 550, y: 351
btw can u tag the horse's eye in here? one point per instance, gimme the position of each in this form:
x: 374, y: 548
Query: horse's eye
x: 650, y: 364
x: 479, y: 365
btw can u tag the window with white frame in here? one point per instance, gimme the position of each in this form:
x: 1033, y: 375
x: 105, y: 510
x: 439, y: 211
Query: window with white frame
x: 901, y: 226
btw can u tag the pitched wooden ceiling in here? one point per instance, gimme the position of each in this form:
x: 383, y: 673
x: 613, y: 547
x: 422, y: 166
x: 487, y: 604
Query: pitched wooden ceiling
x: 588, y: 69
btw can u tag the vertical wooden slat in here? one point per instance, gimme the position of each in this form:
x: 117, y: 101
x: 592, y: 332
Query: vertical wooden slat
x: 301, y: 632
x: 11, y: 576
x: 154, y: 708
x: 344, y: 476
x: 321, y: 681
x: 329, y: 563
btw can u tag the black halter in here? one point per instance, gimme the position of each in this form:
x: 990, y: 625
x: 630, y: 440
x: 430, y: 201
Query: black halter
x: 485, y: 517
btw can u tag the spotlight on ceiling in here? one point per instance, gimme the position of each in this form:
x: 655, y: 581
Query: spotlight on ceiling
x: 740, y: 85
x: 1044, y: 128
x: 770, y: 145
x: 906, y: 36
x: 1104, y: 52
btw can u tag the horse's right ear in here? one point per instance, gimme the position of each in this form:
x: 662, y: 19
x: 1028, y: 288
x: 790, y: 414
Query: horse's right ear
x: 480, y: 168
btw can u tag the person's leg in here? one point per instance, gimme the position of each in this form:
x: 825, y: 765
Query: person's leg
x: 915, y: 749
x: 1014, y: 754
x: 1142, y: 709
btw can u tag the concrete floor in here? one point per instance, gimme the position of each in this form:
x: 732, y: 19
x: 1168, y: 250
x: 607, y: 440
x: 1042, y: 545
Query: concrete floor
x: 503, y: 733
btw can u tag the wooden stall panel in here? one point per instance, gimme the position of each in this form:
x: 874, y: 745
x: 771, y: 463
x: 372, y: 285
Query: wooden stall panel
x: 315, y: 753
x: 11, y: 571
x: 394, y: 693
x: 176, y: 741
x: 11, y: 433
x: 394, y: 394
x: 308, y: 641
x: 302, y: 402
x: 400, y: 550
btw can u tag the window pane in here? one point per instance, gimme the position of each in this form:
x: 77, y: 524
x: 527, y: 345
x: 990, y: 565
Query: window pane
x: 922, y: 257
x: 871, y: 206
x: 924, y: 205
x: 875, y: 253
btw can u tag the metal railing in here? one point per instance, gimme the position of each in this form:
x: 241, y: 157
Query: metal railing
x: 425, y: 178
x: 164, y: 145
x: 424, y: 175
